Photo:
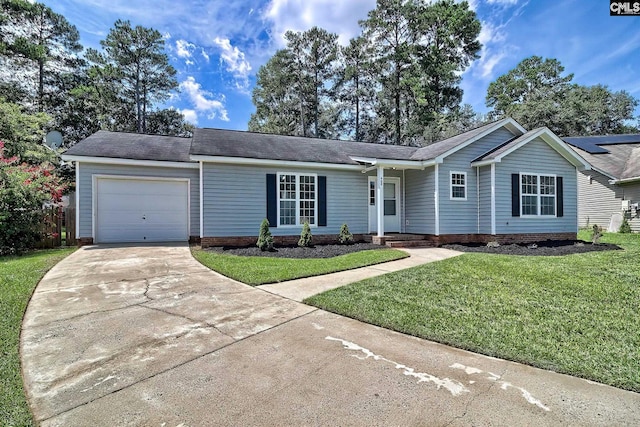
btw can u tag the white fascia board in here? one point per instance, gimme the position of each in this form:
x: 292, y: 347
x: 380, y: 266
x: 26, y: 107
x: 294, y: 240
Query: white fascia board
x: 397, y: 164
x: 484, y: 163
x: 268, y: 162
x: 130, y: 162
x: 612, y: 178
x: 624, y: 181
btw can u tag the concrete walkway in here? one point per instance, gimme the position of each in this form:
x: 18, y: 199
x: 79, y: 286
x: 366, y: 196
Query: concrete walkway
x: 300, y: 289
x: 146, y: 336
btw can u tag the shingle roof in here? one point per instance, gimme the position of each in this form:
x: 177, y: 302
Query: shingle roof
x: 229, y: 143
x: 508, y: 145
x: 616, y: 155
x: 133, y: 146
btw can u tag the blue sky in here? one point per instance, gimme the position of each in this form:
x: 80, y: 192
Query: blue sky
x: 217, y: 46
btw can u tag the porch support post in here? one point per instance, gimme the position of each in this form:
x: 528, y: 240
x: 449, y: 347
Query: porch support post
x: 436, y: 200
x: 380, y: 200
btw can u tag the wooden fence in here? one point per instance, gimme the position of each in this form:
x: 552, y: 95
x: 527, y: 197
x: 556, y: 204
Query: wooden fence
x: 58, y: 227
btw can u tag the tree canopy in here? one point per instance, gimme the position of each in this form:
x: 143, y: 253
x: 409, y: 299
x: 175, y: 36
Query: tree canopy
x: 401, y: 74
x: 536, y: 93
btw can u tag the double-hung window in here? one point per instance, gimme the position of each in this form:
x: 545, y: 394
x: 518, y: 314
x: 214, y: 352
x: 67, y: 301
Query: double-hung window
x: 458, y: 186
x: 538, y: 195
x: 297, y: 199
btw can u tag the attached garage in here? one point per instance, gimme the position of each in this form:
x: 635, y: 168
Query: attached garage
x: 135, y: 209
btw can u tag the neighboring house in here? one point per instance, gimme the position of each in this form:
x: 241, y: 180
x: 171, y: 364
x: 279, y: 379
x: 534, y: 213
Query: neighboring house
x: 611, y: 189
x: 496, y: 182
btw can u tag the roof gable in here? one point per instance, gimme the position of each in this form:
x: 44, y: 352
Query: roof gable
x: 496, y: 155
x: 616, y: 156
x: 440, y: 150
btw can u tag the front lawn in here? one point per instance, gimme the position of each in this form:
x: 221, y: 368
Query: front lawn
x: 18, y: 278
x: 575, y: 314
x: 254, y: 270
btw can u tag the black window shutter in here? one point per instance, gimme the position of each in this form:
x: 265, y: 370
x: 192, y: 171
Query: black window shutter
x: 322, y: 201
x: 559, y: 197
x: 272, y: 200
x: 515, y: 194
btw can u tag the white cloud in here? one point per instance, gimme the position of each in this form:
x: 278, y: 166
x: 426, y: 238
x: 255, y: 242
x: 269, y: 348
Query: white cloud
x: 300, y: 15
x: 184, y: 49
x: 235, y: 61
x: 203, y: 101
x: 503, y: 2
x: 233, y: 57
x: 204, y: 55
x: 190, y: 116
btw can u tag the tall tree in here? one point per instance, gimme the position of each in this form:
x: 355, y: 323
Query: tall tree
x: 307, y: 68
x: 356, y: 87
x: 422, y: 51
x: 40, y: 50
x: 535, y: 93
x: 22, y: 133
x: 133, y: 69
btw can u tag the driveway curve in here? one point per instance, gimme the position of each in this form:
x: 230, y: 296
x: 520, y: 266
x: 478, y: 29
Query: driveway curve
x: 145, y: 335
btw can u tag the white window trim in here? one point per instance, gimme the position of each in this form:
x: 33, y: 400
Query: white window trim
x: 315, y: 210
x: 539, y: 196
x: 451, y: 173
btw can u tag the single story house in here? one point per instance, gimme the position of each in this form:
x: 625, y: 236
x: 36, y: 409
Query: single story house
x: 611, y: 189
x: 496, y: 182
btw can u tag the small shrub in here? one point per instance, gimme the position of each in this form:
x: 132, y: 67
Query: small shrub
x: 345, y: 237
x: 265, y: 239
x: 596, y: 234
x: 625, y: 227
x: 305, y: 236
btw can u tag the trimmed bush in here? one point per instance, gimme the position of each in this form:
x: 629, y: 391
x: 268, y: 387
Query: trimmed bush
x: 305, y: 236
x: 345, y: 237
x: 625, y: 227
x: 265, y: 239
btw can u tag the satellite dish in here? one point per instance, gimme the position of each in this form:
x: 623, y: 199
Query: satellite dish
x: 53, y: 139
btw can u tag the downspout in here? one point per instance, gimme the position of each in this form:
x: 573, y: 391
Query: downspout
x: 436, y: 198
x: 478, y: 194
x: 201, y: 200
x: 403, y: 226
x: 77, y: 200
x: 380, y: 201
x: 493, y: 199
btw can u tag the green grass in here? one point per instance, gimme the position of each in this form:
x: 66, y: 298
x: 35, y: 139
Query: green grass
x: 263, y: 270
x: 577, y: 314
x: 18, y: 278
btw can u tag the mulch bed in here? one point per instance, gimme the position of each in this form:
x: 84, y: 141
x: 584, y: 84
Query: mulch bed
x: 319, y: 251
x: 546, y: 248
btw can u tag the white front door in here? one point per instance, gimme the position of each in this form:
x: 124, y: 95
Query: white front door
x: 391, y: 201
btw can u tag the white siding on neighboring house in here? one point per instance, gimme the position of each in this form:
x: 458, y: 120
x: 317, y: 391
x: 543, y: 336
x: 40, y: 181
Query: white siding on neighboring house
x: 85, y: 192
x: 598, y: 200
x: 235, y: 200
x: 536, y: 157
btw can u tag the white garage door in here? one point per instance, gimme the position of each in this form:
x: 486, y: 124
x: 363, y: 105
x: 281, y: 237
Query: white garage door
x: 141, y: 210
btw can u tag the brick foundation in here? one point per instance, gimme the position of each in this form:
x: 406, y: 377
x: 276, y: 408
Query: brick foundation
x: 84, y: 241
x: 500, y: 238
x: 244, y: 241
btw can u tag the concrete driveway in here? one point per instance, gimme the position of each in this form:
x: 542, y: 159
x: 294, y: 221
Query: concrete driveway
x: 146, y: 336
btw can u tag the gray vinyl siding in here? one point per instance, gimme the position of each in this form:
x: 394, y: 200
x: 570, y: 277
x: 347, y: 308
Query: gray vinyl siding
x: 234, y: 200
x: 598, y: 200
x: 536, y: 157
x: 85, y: 190
x: 461, y: 216
x: 485, y: 200
x: 420, y: 212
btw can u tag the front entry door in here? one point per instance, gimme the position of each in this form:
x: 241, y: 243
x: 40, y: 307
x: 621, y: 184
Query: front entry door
x: 391, y: 202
